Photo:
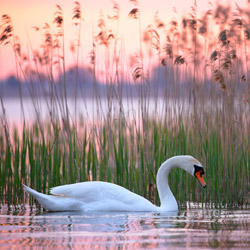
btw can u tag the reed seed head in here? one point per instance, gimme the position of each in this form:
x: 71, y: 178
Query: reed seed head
x: 134, y: 13
x: 6, y: 30
x: 219, y: 78
x: 179, y: 60
x: 213, y: 56
x: 169, y: 50
x: 159, y: 24
x: 58, y: 16
x: 223, y: 38
x: 77, y: 13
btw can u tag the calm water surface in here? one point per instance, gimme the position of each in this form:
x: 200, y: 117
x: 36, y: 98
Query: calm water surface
x: 193, y: 228
x: 89, y: 108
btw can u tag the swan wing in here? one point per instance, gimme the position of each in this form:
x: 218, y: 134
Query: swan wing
x: 103, y: 195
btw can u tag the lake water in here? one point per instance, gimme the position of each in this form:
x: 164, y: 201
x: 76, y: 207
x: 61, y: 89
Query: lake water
x: 198, y: 228
x: 91, y: 110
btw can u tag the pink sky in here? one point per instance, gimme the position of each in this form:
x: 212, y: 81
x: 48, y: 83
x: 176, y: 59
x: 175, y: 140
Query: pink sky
x: 28, y: 13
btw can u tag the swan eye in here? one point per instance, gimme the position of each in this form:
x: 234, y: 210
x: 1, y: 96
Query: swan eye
x: 199, y: 169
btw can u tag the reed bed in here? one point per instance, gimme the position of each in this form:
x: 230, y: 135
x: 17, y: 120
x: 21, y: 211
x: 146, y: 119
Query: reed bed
x: 195, y: 103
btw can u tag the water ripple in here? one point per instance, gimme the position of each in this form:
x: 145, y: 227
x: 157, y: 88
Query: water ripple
x: 199, y: 228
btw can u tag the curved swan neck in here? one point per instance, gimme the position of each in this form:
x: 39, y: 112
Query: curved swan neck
x: 166, y: 196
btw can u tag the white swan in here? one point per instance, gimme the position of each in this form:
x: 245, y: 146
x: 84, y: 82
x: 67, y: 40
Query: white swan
x: 104, y: 196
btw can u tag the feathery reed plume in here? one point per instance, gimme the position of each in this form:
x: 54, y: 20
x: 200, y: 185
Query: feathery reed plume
x: 184, y: 23
x: 169, y: 48
x: 37, y: 58
x: 193, y: 17
x: 135, y: 65
x: 173, y: 24
x: 237, y: 21
x: 243, y: 78
x: 105, y: 35
x: 221, y: 14
x: 77, y: 13
x: 6, y: 29
x: 47, y: 47
x: 184, y: 34
x: 179, y: 60
x: 48, y: 37
x: 152, y: 36
x: 134, y: 13
x: 58, y: 16
x: 204, y: 23
x: 92, y: 57
x: 223, y: 38
x: 159, y: 23
x: 232, y: 53
x: 116, y: 10
x: 219, y: 78
x: 137, y: 73
x: 214, y: 56
x: 17, y: 46
x: 226, y: 62
x: 163, y: 62
x: 193, y: 24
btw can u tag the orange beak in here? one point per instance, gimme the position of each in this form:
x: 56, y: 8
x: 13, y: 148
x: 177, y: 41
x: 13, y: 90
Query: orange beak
x: 199, y: 177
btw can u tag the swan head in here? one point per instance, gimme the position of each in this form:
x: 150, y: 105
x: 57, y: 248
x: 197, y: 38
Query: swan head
x: 192, y: 166
x: 196, y: 169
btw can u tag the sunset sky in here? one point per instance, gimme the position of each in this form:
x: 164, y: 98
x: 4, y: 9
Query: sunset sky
x: 28, y: 13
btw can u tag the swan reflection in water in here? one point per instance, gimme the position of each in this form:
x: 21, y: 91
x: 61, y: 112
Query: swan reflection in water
x: 91, y: 230
x: 197, y: 227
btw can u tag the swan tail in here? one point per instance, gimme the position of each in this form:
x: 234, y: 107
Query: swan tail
x: 43, y: 199
x: 54, y: 203
x: 31, y: 191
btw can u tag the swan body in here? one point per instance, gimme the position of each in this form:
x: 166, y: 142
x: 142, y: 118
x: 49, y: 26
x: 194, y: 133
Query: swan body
x: 104, y: 196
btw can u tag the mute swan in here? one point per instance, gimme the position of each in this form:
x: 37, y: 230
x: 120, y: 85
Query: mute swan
x: 104, y: 196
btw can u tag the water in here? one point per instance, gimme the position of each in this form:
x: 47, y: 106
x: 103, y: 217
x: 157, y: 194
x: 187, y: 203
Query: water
x: 193, y: 228
x: 90, y: 109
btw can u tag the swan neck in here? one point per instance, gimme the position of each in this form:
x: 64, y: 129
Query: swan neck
x: 166, y: 196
